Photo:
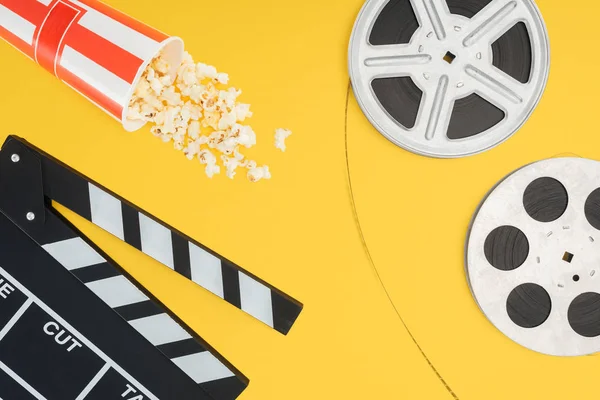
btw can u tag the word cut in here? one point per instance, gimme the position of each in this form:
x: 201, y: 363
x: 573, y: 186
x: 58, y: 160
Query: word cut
x: 61, y: 336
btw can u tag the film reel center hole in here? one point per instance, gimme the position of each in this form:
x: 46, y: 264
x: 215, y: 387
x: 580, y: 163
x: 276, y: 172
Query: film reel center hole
x: 568, y: 257
x: 449, y: 57
x: 576, y: 278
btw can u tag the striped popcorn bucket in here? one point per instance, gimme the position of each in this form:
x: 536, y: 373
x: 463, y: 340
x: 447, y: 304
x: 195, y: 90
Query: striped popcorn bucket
x: 98, y: 51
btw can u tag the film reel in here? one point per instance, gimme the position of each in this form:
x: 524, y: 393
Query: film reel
x: 533, y: 260
x: 448, y: 78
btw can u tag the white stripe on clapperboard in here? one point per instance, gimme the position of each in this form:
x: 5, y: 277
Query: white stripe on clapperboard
x: 107, y: 214
x: 74, y: 253
x: 256, y: 299
x: 157, y: 243
x: 106, y: 211
x: 160, y: 329
x: 66, y: 325
x: 206, y: 270
x: 203, y: 367
x: 17, y: 25
x: 118, y: 291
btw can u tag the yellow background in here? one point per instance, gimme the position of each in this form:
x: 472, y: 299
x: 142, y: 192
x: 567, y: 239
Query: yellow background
x: 298, y: 231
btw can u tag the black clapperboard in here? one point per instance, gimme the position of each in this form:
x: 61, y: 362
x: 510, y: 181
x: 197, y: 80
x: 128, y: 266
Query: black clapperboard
x: 74, y: 325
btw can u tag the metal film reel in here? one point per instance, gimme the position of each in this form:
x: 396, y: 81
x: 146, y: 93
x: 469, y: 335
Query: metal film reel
x: 448, y: 78
x: 533, y: 256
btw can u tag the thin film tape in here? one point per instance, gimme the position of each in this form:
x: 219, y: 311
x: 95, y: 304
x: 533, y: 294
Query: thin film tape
x: 370, y: 258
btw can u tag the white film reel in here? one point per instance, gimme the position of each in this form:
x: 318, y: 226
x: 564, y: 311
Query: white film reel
x: 533, y: 256
x: 450, y: 59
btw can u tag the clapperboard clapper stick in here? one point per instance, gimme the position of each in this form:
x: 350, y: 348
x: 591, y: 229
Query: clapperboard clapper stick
x: 75, y: 325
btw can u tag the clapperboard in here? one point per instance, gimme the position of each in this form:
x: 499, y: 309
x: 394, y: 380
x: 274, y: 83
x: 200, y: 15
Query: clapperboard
x: 74, y: 325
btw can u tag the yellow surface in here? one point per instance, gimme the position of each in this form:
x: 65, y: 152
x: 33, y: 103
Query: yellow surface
x: 298, y: 231
x: 415, y: 213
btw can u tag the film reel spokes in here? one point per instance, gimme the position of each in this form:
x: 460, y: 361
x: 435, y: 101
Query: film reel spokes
x: 441, y: 83
x: 533, y: 258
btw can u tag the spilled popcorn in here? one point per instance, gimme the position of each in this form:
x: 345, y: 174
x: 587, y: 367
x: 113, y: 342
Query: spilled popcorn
x: 280, y: 136
x: 199, y: 116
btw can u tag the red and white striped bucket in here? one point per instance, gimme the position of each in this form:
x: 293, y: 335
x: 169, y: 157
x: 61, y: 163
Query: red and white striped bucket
x: 96, y: 50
